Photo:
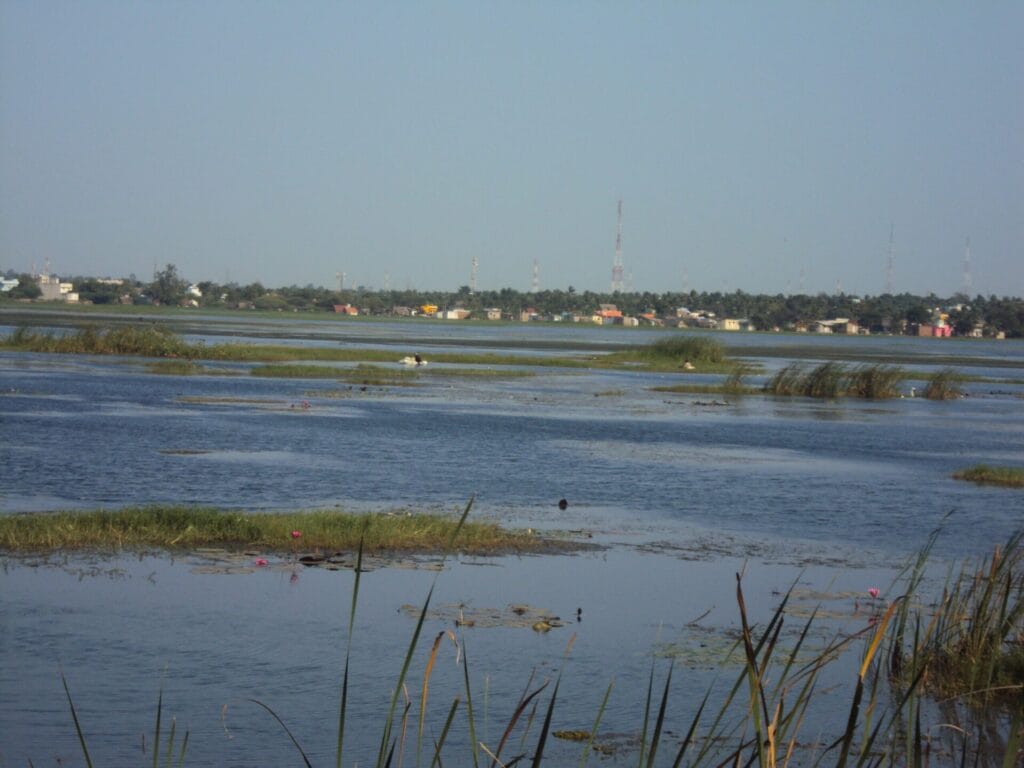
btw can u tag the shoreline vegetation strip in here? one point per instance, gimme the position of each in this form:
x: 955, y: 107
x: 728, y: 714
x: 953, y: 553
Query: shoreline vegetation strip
x: 704, y: 355
x: 183, y: 528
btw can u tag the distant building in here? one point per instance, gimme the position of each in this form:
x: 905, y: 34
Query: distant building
x: 493, y: 313
x: 457, y: 314
x: 7, y: 284
x: 54, y: 290
x: 346, y: 309
x: 428, y: 309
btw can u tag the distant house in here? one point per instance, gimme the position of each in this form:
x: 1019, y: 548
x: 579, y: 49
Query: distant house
x: 936, y: 331
x: 399, y: 311
x: 7, y: 284
x: 529, y: 314
x: 54, y: 290
x: 428, y: 309
x: 733, y: 324
x: 346, y: 309
x: 493, y: 313
x: 456, y: 314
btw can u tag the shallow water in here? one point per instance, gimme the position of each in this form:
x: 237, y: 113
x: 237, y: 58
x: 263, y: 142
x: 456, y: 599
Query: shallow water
x: 683, y: 491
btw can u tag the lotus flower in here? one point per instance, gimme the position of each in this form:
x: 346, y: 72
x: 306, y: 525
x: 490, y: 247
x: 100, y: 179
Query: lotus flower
x: 261, y: 562
x: 874, y: 592
x: 296, y: 534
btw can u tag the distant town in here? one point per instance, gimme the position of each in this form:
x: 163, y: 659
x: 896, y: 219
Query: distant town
x: 902, y: 314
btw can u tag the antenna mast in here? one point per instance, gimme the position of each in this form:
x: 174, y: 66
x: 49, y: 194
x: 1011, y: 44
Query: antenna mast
x: 617, y: 264
x: 968, y: 279
x: 888, y: 268
x: 472, y: 276
x: 535, y: 283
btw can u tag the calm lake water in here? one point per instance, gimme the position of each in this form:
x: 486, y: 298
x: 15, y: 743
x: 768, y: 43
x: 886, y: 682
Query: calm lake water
x: 681, y: 490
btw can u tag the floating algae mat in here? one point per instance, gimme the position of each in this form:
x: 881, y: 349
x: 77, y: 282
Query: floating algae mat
x: 514, y: 616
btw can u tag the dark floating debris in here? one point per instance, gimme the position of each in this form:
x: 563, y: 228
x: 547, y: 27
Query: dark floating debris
x: 563, y: 504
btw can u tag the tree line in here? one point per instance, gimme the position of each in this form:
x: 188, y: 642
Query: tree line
x: 886, y: 312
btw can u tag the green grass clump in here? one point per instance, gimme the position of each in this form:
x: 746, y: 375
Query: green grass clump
x: 147, y: 340
x: 1010, y: 477
x: 175, y: 367
x: 943, y: 385
x: 178, y: 528
x: 875, y: 382
x: 971, y: 648
x: 704, y: 354
x: 832, y: 380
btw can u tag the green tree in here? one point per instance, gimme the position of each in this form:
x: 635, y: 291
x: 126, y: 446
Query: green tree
x: 167, y: 288
x: 27, y: 288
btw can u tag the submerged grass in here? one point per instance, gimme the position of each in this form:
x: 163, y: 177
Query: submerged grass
x: 1009, y: 477
x: 183, y: 528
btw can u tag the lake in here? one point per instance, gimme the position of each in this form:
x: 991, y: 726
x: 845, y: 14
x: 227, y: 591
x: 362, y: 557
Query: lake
x: 680, y: 491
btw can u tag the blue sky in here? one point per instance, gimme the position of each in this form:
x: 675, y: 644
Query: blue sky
x: 767, y: 147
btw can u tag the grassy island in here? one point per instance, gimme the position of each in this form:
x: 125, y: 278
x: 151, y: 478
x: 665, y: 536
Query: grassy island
x: 1009, y: 477
x: 185, y: 528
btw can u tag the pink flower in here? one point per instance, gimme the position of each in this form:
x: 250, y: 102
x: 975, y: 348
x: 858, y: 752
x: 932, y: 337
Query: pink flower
x: 874, y: 592
x: 296, y: 534
x: 261, y: 562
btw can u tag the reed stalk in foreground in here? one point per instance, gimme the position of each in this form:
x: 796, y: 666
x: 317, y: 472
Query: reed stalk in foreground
x: 967, y: 650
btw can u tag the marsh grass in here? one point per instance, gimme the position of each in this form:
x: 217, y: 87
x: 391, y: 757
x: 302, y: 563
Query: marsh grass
x: 943, y: 385
x: 832, y: 380
x: 147, y: 340
x: 1009, y: 477
x: 970, y: 646
x: 705, y: 354
x: 368, y: 375
x: 184, y: 528
x: 177, y: 368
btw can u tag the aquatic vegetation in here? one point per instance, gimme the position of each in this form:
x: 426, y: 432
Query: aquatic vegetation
x: 875, y: 382
x: 832, y: 380
x: 1010, y: 477
x: 703, y: 353
x: 176, y: 367
x: 966, y: 650
x: 971, y: 648
x: 147, y: 340
x: 366, y: 375
x: 943, y: 385
x: 178, y: 528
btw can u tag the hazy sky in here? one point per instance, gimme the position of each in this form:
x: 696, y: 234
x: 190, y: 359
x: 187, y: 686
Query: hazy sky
x: 763, y: 146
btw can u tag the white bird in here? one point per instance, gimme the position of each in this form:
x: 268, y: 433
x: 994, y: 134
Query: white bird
x: 412, y: 360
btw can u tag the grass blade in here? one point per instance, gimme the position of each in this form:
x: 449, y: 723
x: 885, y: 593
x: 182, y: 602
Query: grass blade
x: 78, y: 727
x: 286, y: 730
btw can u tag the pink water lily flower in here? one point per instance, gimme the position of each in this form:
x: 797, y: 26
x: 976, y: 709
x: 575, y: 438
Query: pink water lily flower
x: 874, y: 592
x: 296, y: 534
x: 261, y: 562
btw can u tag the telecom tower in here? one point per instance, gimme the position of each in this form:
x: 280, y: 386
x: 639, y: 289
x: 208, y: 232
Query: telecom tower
x: 340, y: 276
x: 617, y: 264
x: 535, y: 283
x: 472, y: 276
x: 387, y: 280
x: 968, y: 279
x: 888, y: 268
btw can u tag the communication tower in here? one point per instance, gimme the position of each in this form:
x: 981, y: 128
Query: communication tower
x: 888, y: 268
x: 472, y: 276
x: 340, y: 276
x: 535, y: 283
x: 387, y: 280
x: 617, y: 264
x: 968, y: 278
